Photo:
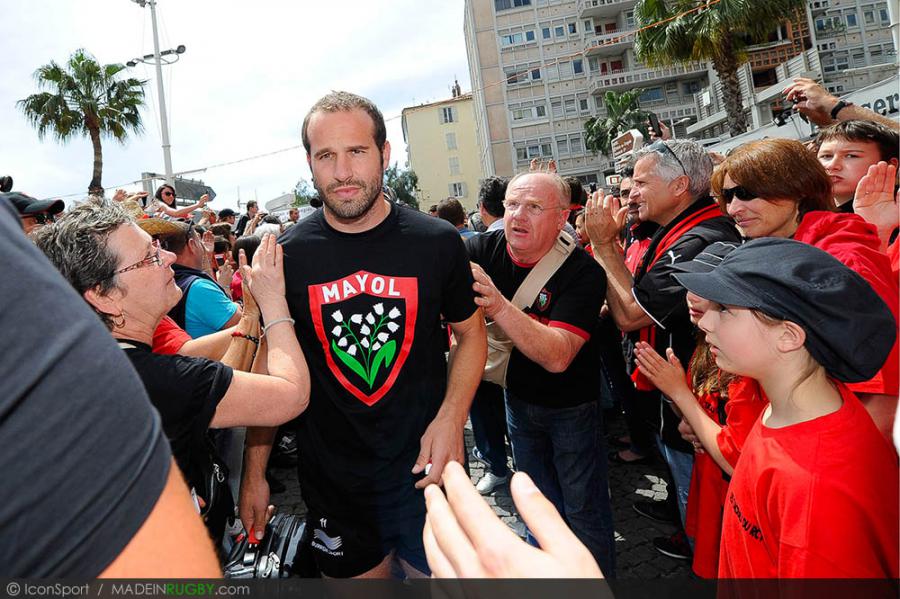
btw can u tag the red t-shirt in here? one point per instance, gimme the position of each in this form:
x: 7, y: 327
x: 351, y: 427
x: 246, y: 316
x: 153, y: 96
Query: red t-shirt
x: 708, y: 482
x: 168, y: 337
x: 855, y: 242
x: 817, y: 499
x: 237, y: 291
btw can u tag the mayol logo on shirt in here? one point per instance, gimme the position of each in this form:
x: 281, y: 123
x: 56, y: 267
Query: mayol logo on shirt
x: 366, y: 324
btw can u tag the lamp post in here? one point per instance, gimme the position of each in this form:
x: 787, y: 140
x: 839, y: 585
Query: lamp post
x: 158, y: 61
x: 682, y: 121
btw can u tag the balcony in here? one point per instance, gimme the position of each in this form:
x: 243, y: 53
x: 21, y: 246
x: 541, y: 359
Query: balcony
x: 610, y: 43
x: 603, y: 8
x: 819, y: 6
x: 641, y: 77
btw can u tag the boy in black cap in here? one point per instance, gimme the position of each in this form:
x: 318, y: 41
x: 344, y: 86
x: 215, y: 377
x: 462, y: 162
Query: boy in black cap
x: 815, y: 492
x: 34, y: 213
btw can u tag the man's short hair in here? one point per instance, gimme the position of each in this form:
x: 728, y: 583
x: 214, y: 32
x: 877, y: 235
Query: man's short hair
x: 251, y: 204
x: 684, y: 158
x: 345, y: 102
x: 176, y: 242
x: 564, y: 191
x: 221, y: 229
x: 78, y: 245
x: 452, y: 211
x: 576, y: 191
x: 491, y: 195
x: 885, y: 138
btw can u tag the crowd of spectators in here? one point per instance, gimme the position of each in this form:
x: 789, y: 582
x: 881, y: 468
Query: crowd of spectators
x: 739, y: 313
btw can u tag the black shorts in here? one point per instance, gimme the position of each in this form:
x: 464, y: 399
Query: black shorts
x: 344, y: 547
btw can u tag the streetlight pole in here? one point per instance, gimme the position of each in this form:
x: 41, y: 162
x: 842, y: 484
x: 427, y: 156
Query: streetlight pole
x: 163, y: 120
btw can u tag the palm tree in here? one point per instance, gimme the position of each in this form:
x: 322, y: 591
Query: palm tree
x: 623, y: 112
x: 718, y: 33
x: 85, y: 98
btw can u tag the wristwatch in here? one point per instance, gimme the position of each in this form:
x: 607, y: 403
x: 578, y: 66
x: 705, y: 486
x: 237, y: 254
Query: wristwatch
x: 841, y: 104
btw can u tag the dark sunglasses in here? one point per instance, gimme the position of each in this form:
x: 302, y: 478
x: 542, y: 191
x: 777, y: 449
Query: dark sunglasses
x: 662, y: 147
x: 41, y: 218
x: 741, y: 193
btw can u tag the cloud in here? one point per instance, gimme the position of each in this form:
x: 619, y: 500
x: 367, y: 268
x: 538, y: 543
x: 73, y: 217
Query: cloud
x: 250, y: 73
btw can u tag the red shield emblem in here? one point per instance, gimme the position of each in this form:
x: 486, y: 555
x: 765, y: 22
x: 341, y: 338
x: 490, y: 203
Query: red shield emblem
x: 366, y: 324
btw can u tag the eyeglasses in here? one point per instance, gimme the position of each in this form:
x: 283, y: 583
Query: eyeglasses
x: 156, y: 259
x: 41, y: 218
x: 167, y: 193
x: 662, y: 147
x: 531, y: 208
x: 741, y: 193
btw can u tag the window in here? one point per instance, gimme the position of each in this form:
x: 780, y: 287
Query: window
x: 573, y: 28
x: 583, y: 104
x: 653, y: 94
x: 454, y: 165
x: 556, y: 107
x: 535, y: 74
x: 565, y: 69
x: 562, y: 145
x: 540, y: 111
x: 451, y: 141
x: 545, y: 33
x: 448, y: 115
x: 883, y: 13
x: 507, y: 4
x: 559, y: 31
x: 458, y: 190
x: 691, y: 87
x: 869, y: 17
x: 851, y: 20
x: 578, y: 66
x: 570, y: 107
x: 512, y: 76
x: 529, y: 36
x: 575, y: 144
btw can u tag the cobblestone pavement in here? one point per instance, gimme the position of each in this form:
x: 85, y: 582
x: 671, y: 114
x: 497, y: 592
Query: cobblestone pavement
x: 635, y: 555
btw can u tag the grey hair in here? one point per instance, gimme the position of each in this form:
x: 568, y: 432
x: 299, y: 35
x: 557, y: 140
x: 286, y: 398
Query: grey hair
x: 698, y: 166
x: 78, y: 245
x: 565, y: 192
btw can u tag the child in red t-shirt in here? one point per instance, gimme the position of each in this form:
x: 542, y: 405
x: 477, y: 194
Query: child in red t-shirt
x: 719, y: 407
x: 814, y: 493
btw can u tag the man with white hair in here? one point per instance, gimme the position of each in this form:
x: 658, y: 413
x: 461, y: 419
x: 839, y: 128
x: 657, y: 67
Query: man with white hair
x: 552, y: 384
x: 670, y: 187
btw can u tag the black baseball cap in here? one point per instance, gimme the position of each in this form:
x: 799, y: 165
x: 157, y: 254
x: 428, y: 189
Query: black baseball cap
x: 849, y: 329
x: 226, y: 212
x: 26, y: 204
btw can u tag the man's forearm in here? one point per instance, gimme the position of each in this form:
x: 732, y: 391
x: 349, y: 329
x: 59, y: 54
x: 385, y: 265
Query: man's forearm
x: 465, y: 374
x: 626, y: 312
x: 542, y: 344
x: 257, y: 447
x: 854, y: 112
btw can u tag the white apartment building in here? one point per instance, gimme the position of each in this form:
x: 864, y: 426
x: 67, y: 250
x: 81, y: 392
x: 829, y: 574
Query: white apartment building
x: 539, y: 69
x: 854, y: 41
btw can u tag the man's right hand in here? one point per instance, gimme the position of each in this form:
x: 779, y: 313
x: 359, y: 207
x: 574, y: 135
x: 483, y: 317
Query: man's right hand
x: 253, y: 506
x: 811, y: 99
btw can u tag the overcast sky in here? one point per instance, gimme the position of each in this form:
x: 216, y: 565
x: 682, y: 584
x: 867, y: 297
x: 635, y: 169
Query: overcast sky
x: 250, y: 73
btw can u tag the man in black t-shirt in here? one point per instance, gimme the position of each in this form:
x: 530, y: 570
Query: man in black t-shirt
x: 671, y: 188
x: 553, y: 381
x: 368, y: 283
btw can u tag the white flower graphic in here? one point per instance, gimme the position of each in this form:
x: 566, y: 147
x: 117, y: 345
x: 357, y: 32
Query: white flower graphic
x: 383, y: 337
x: 394, y: 313
x: 379, y: 308
x: 376, y: 347
x: 336, y: 331
x: 337, y: 316
x: 370, y: 319
x: 351, y: 350
x: 393, y: 326
x: 365, y: 342
x: 356, y: 318
x: 365, y: 330
x: 342, y: 342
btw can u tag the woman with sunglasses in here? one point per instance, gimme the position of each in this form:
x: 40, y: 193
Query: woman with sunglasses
x: 124, y: 275
x: 165, y: 196
x: 777, y: 188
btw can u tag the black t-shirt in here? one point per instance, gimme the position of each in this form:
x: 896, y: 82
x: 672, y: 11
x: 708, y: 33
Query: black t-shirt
x: 368, y: 308
x: 663, y: 299
x: 84, y: 458
x: 186, y: 391
x: 570, y: 300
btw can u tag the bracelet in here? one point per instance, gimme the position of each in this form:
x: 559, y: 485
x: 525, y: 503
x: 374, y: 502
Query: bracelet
x: 250, y: 338
x: 839, y: 107
x: 274, y: 322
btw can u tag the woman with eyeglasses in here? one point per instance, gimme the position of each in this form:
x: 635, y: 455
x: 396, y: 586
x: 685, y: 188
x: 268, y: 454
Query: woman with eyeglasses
x: 124, y: 275
x: 165, y: 204
x: 777, y: 188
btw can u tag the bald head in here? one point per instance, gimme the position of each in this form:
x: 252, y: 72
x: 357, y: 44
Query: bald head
x: 543, y: 185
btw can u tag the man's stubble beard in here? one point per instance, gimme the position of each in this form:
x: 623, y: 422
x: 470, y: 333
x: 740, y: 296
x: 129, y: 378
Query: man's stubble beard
x: 371, y: 191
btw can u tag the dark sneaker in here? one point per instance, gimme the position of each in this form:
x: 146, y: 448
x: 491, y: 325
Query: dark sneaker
x: 659, y: 511
x: 676, y: 546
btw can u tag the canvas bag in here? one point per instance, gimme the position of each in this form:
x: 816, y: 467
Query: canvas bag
x: 499, y: 346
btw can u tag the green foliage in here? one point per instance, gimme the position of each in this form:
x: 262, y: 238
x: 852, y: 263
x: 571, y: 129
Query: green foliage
x: 623, y: 112
x: 303, y: 193
x: 404, y: 183
x: 82, y: 98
